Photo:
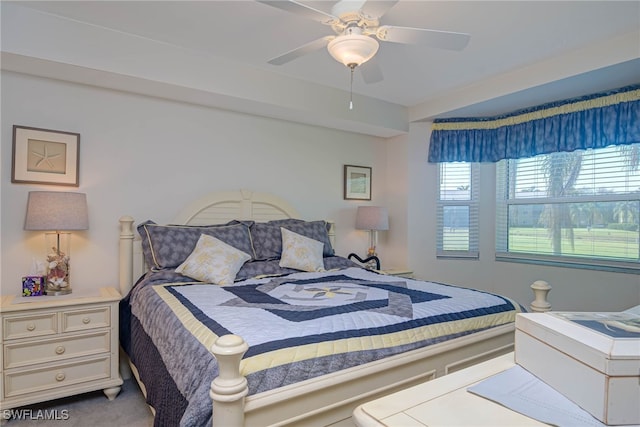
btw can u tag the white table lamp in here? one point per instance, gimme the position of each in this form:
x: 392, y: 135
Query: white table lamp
x: 57, y: 213
x: 374, y: 219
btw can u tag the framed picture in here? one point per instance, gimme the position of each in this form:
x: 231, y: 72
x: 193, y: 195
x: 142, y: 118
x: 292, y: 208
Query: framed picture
x: 43, y: 156
x: 357, y: 182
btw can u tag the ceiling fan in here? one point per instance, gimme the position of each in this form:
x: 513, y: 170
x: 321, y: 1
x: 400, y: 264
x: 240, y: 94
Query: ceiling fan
x: 356, y: 24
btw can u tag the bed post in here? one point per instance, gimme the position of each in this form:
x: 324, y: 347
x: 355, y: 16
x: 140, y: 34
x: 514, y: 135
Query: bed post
x: 229, y: 388
x: 540, y: 290
x: 332, y: 233
x: 126, y: 254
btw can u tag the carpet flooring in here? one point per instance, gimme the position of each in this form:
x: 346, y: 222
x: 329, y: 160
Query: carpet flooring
x: 89, y: 409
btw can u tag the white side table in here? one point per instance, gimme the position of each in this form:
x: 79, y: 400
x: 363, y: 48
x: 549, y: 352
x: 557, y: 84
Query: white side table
x: 444, y: 402
x: 58, y: 346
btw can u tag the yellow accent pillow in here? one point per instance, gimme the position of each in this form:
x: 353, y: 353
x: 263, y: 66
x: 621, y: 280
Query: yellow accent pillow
x: 213, y: 261
x: 300, y: 252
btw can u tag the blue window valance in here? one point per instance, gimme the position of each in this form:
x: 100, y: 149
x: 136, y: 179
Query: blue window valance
x: 594, y: 121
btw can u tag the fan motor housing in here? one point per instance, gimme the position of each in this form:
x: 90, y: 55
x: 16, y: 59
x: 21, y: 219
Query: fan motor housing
x: 353, y: 18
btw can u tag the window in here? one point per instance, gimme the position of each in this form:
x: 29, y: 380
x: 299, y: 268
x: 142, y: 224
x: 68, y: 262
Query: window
x: 579, y: 207
x: 457, y: 215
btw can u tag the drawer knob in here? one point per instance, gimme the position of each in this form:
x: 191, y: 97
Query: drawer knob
x: 60, y: 376
x: 31, y: 327
x: 86, y: 320
x: 60, y: 349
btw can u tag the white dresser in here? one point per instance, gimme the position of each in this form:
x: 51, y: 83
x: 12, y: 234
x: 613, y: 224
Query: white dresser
x: 54, y: 347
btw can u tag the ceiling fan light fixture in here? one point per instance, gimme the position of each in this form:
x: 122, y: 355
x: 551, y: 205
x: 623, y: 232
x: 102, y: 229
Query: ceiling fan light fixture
x: 353, y: 49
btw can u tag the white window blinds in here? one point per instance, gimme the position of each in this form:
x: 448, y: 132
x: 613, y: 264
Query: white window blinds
x: 579, y: 207
x: 457, y: 210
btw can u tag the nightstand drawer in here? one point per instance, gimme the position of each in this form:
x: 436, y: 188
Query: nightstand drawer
x: 61, y: 375
x: 52, y: 350
x: 90, y: 318
x: 32, y: 325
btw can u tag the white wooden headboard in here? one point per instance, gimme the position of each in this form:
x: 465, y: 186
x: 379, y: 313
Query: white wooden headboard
x: 213, y: 208
x: 221, y: 207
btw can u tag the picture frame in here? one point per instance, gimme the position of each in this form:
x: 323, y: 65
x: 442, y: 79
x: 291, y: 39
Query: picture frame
x: 45, y: 156
x: 357, y: 182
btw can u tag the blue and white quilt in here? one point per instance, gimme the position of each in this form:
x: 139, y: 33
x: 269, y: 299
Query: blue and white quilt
x: 301, y: 325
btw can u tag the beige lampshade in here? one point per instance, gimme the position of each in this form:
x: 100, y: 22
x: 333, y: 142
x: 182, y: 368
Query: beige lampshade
x: 56, y: 211
x: 372, y: 218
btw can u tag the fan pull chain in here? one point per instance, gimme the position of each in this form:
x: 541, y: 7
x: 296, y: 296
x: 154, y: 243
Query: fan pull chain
x: 351, y: 88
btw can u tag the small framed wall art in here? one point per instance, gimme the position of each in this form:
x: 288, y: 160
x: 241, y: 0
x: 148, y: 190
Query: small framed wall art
x: 357, y: 182
x: 43, y: 156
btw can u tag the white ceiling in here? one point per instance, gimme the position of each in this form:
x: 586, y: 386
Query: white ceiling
x: 505, y: 37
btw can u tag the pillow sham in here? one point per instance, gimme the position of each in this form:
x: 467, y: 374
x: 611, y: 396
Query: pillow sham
x: 286, y: 221
x: 300, y: 252
x: 213, y: 261
x: 167, y: 246
x: 255, y: 268
x: 267, y: 237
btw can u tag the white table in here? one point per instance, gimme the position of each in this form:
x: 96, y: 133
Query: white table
x: 58, y: 346
x: 444, y: 402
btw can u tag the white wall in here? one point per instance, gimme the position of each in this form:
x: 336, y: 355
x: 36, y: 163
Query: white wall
x: 572, y: 289
x: 147, y: 157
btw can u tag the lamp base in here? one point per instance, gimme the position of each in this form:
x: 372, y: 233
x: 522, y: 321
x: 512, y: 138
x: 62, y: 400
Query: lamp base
x: 54, y: 292
x: 371, y: 264
x: 58, y: 264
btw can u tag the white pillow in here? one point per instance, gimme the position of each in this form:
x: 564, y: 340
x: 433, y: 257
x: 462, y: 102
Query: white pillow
x: 300, y: 252
x: 213, y: 261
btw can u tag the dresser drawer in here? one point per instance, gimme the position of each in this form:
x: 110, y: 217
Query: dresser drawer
x: 30, y: 325
x: 50, y: 377
x: 34, y: 353
x: 90, y: 318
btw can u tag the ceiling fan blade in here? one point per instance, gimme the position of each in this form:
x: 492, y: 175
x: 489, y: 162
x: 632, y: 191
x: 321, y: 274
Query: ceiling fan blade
x: 377, y: 8
x: 301, y: 10
x: 300, y: 51
x: 440, y: 39
x: 371, y: 71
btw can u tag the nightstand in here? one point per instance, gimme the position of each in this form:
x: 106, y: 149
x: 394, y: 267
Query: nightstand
x: 400, y: 272
x: 58, y: 346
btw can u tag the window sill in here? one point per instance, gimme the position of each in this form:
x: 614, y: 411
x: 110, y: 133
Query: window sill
x: 567, y: 262
x: 458, y: 255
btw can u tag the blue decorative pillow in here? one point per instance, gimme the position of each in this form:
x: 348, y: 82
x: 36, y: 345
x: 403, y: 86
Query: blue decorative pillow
x: 286, y: 221
x: 168, y: 246
x: 267, y: 238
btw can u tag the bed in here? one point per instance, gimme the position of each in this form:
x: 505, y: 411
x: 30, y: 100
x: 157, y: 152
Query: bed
x: 283, y: 340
